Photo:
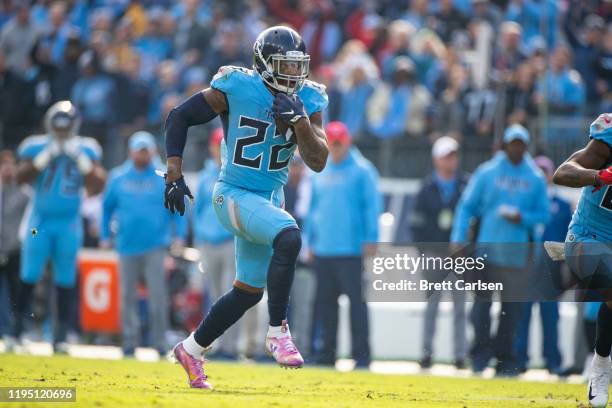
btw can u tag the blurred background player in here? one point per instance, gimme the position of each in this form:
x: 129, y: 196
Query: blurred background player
x: 432, y: 221
x: 216, y: 245
x: 143, y: 232
x: 267, y: 112
x: 13, y: 202
x: 341, y: 229
x: 588, y: 248
x: 57, y: 164
x: 508, y: 195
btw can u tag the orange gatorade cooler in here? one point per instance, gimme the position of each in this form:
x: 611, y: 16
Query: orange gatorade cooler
x: 99, y: 290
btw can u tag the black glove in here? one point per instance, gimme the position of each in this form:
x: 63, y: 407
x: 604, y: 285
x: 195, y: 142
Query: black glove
x: 289, y: 109
x: 174, y: 196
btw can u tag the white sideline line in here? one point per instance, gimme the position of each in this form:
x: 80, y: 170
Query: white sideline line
x: 84, y: 351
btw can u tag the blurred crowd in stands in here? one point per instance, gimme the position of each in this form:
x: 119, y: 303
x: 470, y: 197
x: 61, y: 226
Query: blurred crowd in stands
x: 401, y: 71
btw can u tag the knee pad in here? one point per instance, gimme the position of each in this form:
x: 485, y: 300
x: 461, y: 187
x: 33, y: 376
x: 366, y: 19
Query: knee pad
x: 247, y: 299
x: 288, y: 243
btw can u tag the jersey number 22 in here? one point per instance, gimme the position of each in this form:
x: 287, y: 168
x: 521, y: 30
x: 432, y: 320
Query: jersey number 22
x: 259, y: 137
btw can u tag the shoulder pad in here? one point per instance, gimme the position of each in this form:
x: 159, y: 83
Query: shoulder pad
x: 230, y: 77
x: 315, y: 85
x: 93, y: 148
x: 34, y: 139
x: 31, y: 145
x: 314, y: 97
x: 601, y: 129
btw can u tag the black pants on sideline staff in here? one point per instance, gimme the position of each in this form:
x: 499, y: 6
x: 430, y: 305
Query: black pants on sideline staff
x: 336, y: 276
x: 500, y: 345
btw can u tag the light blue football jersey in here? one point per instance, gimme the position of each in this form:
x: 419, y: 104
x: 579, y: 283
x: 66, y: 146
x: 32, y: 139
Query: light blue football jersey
x: 594, y: 210
x: 253, y: 156
x: 57, y: 189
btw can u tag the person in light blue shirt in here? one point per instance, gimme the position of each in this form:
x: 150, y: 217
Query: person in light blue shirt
x: 562, y: 87
x: 94, y: 94
x: 563, y: 90
x: 57, y: 29
x: 202, y: 10
x: 342, y: 223
x: 404, y: 105
x: 354, y: 99
x: 153, y: 47
x: 134, y: 219
x: 533, y: 15
x: 508, y: 195
x: 94, y: 91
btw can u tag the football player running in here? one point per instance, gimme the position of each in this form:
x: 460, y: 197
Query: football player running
x: 588, y: 246
x: 266, y: 113
x: 58, y: 164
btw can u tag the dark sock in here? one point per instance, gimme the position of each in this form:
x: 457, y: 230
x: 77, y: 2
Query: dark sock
x: 22, y: 304
x: 224, y: 313
x: 603, y: 336
x: 64, y: 303
x: 281, y: 272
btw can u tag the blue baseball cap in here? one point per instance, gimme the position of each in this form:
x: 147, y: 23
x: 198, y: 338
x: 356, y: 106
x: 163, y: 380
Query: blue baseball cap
x: 142, y: 140
x: 516, y: 132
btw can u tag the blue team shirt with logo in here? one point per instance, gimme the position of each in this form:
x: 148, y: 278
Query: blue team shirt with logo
x: 254, y: 156
x: 57, y: 189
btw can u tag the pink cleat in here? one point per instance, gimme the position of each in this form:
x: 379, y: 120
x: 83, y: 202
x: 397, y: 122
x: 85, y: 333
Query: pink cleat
x: 194, y: 367
x: 284, y: 350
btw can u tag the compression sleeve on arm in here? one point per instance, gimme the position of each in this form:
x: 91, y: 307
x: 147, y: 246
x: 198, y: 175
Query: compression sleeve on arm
x: 194, y: 111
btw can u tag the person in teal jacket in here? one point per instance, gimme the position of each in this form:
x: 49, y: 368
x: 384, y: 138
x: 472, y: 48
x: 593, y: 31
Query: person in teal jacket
x: 508, y: 195
x: 143, y: 231
x: 342, y: 222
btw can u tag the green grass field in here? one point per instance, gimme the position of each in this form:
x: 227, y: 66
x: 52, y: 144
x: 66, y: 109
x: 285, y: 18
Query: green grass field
x: 107, y: 383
